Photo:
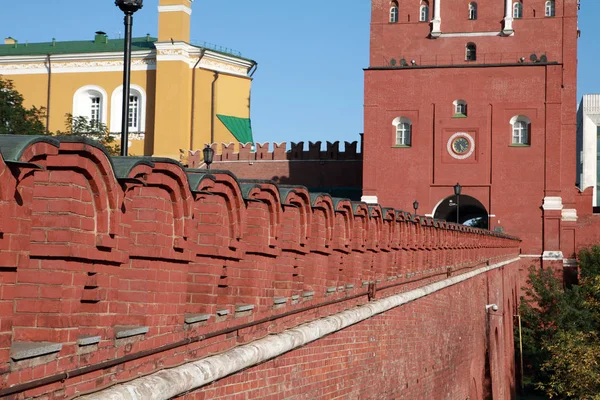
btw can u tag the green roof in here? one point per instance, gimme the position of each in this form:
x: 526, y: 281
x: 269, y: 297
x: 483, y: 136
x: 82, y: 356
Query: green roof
x: 81, y: 46
x: 240, y: 128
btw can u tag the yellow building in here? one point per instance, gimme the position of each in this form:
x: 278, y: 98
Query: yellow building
x: 182, y: 95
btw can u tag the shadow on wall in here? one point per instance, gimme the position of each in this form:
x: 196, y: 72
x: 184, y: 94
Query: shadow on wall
x: 331, y: 171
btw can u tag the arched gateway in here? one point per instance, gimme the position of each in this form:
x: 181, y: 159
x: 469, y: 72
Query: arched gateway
x: 470, y: 211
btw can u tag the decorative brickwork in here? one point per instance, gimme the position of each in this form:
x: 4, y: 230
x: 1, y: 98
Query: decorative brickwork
x: 113, y: 268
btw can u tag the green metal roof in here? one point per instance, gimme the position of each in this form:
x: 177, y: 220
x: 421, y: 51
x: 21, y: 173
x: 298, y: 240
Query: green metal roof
x: 100, y: 45
x: 240, y: 128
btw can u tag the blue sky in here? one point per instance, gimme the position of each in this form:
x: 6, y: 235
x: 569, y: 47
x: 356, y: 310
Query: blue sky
x: 309, y: 82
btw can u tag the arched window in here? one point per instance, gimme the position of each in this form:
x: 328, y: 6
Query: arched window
x: 460, y: 108
x: 518, y: 10
x: 90, y: 102
x: 424, y: 15
x: 394, y: 12
x: 520, y: 130
x: 471, y: 52
x: 473, y: 10
x: 550, y: 10
x: 403, y: 127
x: 136, y: 112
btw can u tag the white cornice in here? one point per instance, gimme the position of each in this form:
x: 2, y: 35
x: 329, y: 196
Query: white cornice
x: 475, y: 34
x: 175, y: 8
x: 103, y: 56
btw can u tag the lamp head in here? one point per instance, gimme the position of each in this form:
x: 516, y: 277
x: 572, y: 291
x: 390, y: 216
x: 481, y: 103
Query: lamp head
x: 416, y: 206
x: 494, y: 307
x: 129, y: 6
x: 208, y: 154
x: 457, y: 189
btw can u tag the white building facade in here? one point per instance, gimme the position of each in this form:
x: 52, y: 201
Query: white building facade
x: 588, y: 144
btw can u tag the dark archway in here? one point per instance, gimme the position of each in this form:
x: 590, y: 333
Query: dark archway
x: 471, y: 212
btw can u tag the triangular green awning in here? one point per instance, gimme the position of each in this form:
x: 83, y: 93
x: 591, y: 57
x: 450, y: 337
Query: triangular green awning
x: 240, y: 128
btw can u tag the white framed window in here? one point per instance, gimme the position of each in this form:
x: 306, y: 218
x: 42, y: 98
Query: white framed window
x: 424, y: 14
x: 471, y: 52
x: 460, y: 107
x: 520, y: 125
x: 96, y: 110
x: 403, y: 129
x: 136, y: 110
x: 472, y: 10
x: 90, y: 102
x: 394, y: 12
x: 550, y: 9
x: 518, y: 10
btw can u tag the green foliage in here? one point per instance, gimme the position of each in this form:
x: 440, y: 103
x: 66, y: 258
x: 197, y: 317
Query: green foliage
x: 81, y: 126
x: 561, y: 346
x: 14, y: 117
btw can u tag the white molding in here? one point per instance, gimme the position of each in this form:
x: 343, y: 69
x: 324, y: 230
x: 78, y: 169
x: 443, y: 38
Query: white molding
x: 172, y: 382
x: 369, y: 199
x: 552, y: 255
x: 100, y: 56
x: 82, y: 110
x: 474, y: 34
x: 530, y: 255
x: 116, y: 102
x: 552, y: 203
x: 465, y: 155
x: 175, y: 8
x: 569, y: 214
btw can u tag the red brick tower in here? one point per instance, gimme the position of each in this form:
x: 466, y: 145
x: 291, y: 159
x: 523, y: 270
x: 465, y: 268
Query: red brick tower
x: 482, y: 93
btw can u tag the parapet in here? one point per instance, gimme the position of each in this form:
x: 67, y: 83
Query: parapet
x: 296, y: 152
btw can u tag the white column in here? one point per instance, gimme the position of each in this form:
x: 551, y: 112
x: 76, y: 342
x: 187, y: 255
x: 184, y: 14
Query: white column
x: 508, y: 18
x: 437, y: 19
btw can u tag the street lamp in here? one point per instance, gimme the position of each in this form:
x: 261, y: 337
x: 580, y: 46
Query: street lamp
x: 209, y: 154
x: 416, y: 205
x: 128, y: 7
x: 457, y: 190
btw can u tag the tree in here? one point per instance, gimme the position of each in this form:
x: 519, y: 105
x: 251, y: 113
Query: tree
x: 14, y: 117
x: 561, y: 346
x: 82, y: 126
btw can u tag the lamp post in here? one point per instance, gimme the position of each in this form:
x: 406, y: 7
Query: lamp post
x: 128, y: 7
x: 208, y: 153
x: 416, y: 205
x: 457, y: 190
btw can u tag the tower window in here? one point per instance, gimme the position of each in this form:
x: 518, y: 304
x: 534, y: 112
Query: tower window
x: 460, y: 108
x: 520, y: 130
x: 471, y: 52
x: 403, y: 127
x: 424, y: 15
x: 394, y: 12
x: 550, y: 9
x: 518, y: 10
x: 473, y: 11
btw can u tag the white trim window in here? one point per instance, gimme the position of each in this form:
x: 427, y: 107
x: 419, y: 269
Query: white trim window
x: 136, y: 110
x: 550, y: 8
x: 471, y: 52
x: 424, y: 12
x: 518, y: 10
x: 520, y: 130
x: 90, y: 102
x: 403, y: 129
x: 394, y: 12
x: 133, y: 113
x: 460, y: 107
x: 472, y: 10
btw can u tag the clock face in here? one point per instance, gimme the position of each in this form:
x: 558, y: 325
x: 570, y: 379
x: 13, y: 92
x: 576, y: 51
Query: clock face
x: 461, y: 145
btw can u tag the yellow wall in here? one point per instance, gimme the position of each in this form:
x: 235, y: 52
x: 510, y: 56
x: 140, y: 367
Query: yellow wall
x: 231, y: 98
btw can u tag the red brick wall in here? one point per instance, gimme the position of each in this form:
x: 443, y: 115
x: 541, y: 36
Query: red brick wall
x: 91, y: 246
